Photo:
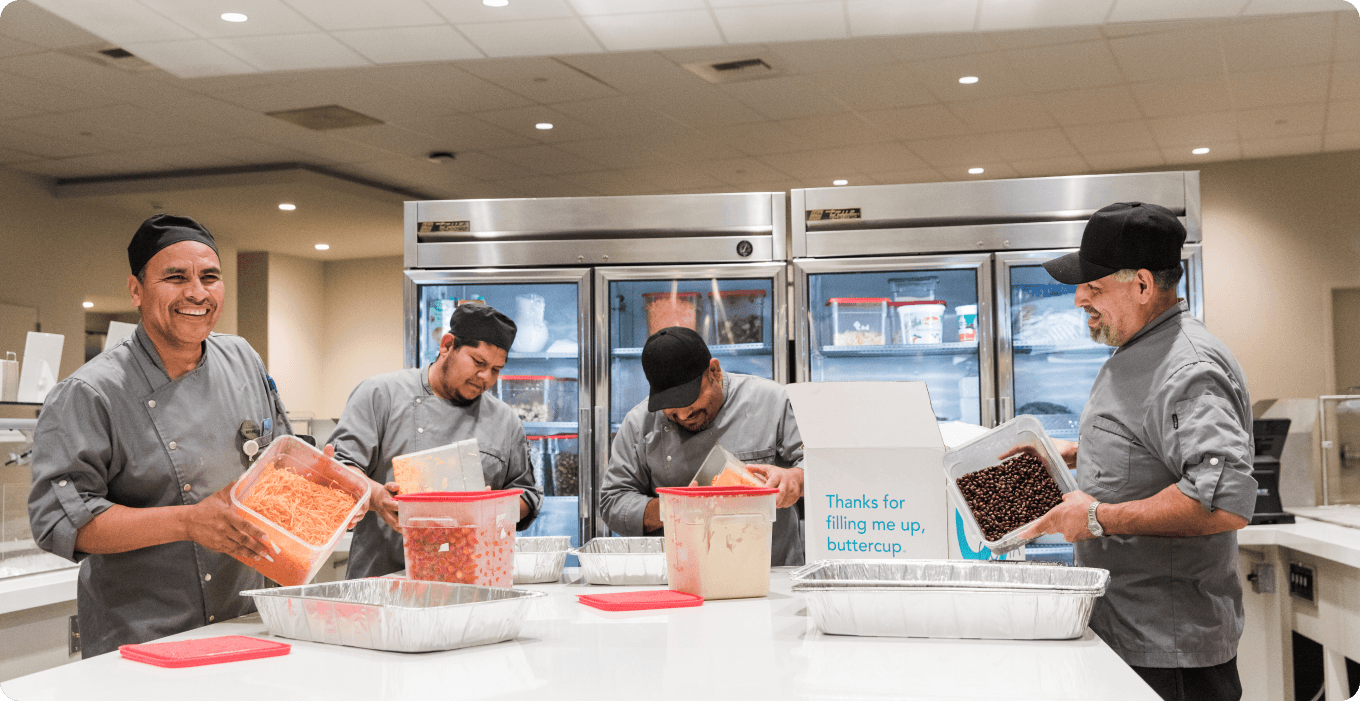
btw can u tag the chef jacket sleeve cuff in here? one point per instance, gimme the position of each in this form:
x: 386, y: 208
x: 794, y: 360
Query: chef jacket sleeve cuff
x: 78, y: 512
x: 1216, y: 484
x: 629, y: 509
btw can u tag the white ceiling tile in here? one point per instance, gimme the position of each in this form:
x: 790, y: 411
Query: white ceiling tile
x: 792, y: 22
x: 1066, y: 66
x: 618, y: 115
x: 97, y: 82
x: 46, y: 98
x: 682, y: 177
x: 462, y: 132
x: 1169, y: 55
x: 1115, y: 31
x: 292, y: 52
x: 547, y: 186
x: 1342, y: 141
x: 13, y: 110
x: 1274, y: 7
x: 156, y: 128
x: 255, y: 152
x: 1170, y: 98
x: 925, y: 122
x: 759, y: 139
x: 616, y: 153
x: 873, y: 87
x: 204, y: 17
x: 614, y: 182
x: 1343, y: 116
x: 714, y: 54
x: 752, y: 3
x: 191, y: 58
x: 641, y: 71
x: 701, y: 105
x: 586, y: 8
x: 484, y: 167
x: 522, y: 120
x: 927, y: 47
x: 993, y: 170
x: 1194, y: 130
x: 409, y: 44
x: 920, y: 175
x: 36, y: 25
x: 75, y: 167
x: 447, y: 85
x: 1049, y: 167
x: 321, y: 146
x: 807, y: 57
x: 953, y: 152
x: 14, y: 139
x: 997, y: 78
x: 1031, y: 145
x: 14, y: 47
x: 539, y: 79
x: 1002, y: 114
x: 1090, y: 106
x: 742, y: 171
x: 1048, y: 36
x: 396, y: 140
x: 1130, y: 160
x: 1348, y: 36
x: 1278, y: 122
x: 1111, y: 137
x: 888, y: 17
x: 540, y: 37
x: 8, y: 157
x: 654, y: 30
x: 784, y: 98
x: 1010, y: 14
x: 460, y: 11
x: 118, y: 22
x: 100, y: 128
x: 1279, y: 87
x: 1345, y: 80
x: 1278, y: 42
x: 1288, y: 146
x: 332, y: 16
x: 548, y: 160
x: 1161, y: 10
x: 837, y: 130
x: 1218, y: 151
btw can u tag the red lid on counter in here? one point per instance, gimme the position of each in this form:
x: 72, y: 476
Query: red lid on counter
x: 433, y: 497
x: 718, y: 491
x: 193, y: 653
x: 641, y: 600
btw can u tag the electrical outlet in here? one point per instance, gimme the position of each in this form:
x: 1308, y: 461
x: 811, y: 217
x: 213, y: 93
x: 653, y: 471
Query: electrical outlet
x: 1300, y: 581
x: 1262, y: 578
x: 73, y: 641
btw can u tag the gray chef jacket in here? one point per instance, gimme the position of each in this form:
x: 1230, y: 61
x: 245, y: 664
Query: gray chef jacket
x: 397, y: 413
x: 120, y: 431
x: 1169, y: 407
x: 755, y: 423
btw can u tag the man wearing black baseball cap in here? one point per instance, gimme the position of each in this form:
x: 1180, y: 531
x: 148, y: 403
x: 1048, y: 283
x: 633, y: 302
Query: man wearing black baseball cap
x: 694, y: 405
x: 1163, y: 462
x: 417, y: 409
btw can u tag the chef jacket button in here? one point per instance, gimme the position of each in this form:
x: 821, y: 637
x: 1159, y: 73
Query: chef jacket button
x: 173, y: 446
x: 187, y: 487
x: 1213, y: 461
x: 207, y: 578
x: 668, y: 458
x: 417, y: 401
x: 420, y: 430
x: 211, y: 618
x: 61, y: 483
x: 151, y: 404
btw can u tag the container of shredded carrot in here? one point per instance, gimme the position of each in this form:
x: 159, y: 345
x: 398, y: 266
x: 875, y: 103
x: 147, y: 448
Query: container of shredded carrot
x: 303, y: 501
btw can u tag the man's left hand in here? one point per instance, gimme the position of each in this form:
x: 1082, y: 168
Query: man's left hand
x: 789, y: 481
x: 1067, y: 518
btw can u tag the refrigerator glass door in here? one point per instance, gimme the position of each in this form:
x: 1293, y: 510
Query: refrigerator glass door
x: 920, y: 318
x: 739, y: 310
x: 545, y: 379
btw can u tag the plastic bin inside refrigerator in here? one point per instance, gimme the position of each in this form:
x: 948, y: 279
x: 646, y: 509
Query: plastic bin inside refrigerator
x: 665, y: 309
x: 562, y: 465
x: 859, y: 321
x: 529, y: 395
x: 738, y: 316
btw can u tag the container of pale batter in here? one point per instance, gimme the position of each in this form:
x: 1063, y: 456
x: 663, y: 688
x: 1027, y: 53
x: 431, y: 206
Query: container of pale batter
x: 718, y: 540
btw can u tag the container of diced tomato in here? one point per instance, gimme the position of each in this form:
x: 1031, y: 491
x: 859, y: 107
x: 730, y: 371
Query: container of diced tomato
x: 460, y: 537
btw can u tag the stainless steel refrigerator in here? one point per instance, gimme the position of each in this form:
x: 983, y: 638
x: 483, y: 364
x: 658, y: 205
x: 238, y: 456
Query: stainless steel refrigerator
x: 588, y: 279
x: 943, y: 282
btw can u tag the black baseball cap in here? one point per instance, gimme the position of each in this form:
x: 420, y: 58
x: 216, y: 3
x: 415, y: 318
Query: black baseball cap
x: 1124, y: 235
x: 674, y: 360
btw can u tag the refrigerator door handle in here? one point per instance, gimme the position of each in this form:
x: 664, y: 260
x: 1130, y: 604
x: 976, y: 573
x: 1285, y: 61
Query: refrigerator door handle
x: 1007, y: 409
x: 584, y: 473
x: 601, y: 430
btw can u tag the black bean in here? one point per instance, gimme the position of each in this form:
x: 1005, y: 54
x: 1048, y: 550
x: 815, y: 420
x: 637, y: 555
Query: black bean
x: 1007, y: 496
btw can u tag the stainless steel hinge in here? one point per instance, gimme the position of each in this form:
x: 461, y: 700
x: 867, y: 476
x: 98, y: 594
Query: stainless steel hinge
x: 73, y: 640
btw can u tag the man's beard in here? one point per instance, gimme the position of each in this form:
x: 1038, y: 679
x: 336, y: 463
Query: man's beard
x: 1104, y: 333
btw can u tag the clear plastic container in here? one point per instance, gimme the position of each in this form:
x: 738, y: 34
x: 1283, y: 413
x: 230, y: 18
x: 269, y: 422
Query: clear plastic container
x: 920, y: 322
x: 460, y: 537
x: 718, y: 540
x: 983, y: 452
x: 859, y: 321
x: 529, y: 395
x: 456, y: 467
x: 738, y: 316
x: 913, y: 288
x: 565, y: 458
x: 295, y: 561
x: 540, y: 462
x: 566, y: 400
x: 666, y: 309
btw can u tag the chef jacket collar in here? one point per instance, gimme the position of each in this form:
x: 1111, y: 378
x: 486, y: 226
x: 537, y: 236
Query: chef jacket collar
x: 1176, y: 310
x: 150, y: 348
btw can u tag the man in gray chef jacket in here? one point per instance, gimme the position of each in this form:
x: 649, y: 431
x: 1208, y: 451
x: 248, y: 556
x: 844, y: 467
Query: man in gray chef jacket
x: 135, y: 453
x: 694, y: 405
x: 1163, y: 461
x: 417, y: 409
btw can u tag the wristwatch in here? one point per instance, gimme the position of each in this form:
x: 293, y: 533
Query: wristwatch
x: 1096, y: 529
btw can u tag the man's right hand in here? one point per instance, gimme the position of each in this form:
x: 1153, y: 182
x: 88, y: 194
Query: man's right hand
x: 215, y: 525
x: 1066, y: 449
x: 381, y: 502
x: 651, y: 516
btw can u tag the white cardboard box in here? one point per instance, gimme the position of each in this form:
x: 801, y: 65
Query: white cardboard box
x: 874, y: 473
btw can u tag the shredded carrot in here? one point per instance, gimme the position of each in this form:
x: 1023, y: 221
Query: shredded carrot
x: 310, y: 511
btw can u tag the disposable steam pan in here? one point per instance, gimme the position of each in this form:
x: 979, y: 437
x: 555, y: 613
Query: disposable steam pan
x: 626, y: 561
x: 539, y: 559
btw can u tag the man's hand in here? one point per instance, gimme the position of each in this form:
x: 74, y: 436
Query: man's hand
x: 215, y: 525
x: 651, y: 516
x: 380, y: 501
x: 789, y: 481
x: 1066, y: 449
x: 1067, y: 518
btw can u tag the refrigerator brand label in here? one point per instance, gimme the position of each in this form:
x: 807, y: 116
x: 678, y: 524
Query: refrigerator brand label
x: 432, y: 227
x: 829, y: 214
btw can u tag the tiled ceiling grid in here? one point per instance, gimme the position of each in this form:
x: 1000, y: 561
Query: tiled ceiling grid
x: 867, y: 109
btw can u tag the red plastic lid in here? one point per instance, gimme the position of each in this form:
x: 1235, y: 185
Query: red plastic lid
x: 538, y: 438
x: 422, y: 497
x: 670, y: 294
x: 739, y: 293
x: 526, y: 377
x: 641, y: 600
x: 718, y: 491
x: 572, y: 436
x: 856, y: 300
x: 192, y: 653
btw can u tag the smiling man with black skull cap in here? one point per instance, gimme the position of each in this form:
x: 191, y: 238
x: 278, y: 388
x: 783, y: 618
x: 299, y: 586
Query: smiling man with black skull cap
x: 417, y: 409
x: 135, y: 452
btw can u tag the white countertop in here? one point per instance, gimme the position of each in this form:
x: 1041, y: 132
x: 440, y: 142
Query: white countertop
x: 751, y: 649
x: 1328, y: 541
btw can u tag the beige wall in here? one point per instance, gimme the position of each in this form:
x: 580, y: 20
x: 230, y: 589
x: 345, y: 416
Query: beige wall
x: 297, y: 330
x: 363, y: 326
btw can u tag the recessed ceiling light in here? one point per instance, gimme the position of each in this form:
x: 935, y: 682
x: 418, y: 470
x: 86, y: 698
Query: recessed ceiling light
x: 968, y: 79
x: 543, y: 125
x: 87, y: 305
x: 495, y: 3
x: 976, y: 171
x: 840, y: 182
x: 1200, y: 151
x: 323, y: 247
x: 234, y: 17
x: 287, y: 207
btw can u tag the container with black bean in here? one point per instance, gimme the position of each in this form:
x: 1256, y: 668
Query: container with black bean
x: 1007, y: 496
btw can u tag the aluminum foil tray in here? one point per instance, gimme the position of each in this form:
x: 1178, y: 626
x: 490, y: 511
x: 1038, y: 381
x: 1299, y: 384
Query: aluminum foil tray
x: 950, y: 598
x: 394, y: 614
x: 626, y: 561
x: 539, y: 559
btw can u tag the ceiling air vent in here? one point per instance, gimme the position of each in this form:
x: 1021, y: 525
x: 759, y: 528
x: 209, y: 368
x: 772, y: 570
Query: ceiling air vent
x: 325, y: 118
x: 113, y: 57
x: 752, y: 68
